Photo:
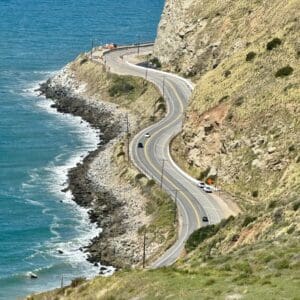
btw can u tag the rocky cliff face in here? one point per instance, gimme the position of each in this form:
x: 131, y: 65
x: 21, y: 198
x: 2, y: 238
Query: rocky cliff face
x: 243, y: 120
x: 196, y: 36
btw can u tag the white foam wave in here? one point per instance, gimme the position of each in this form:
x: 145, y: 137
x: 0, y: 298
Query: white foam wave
x: 31, y: 89
x: 56, y: 180
x: 34, y: 202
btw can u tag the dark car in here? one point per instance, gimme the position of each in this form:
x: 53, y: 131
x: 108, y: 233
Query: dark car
x: 140, y: 145
x: 204, y: 219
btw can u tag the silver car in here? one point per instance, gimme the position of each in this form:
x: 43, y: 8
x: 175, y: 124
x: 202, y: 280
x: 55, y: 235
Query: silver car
x: 208, y: 189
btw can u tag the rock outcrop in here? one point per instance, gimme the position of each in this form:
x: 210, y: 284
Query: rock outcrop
x: 242, y: 125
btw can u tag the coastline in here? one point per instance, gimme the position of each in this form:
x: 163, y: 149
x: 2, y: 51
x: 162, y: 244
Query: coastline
x: 94, y: 183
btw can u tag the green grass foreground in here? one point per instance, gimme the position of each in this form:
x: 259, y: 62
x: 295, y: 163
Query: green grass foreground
x: 235, y: 278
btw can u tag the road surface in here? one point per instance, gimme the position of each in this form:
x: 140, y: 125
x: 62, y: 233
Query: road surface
x: 154, y: 158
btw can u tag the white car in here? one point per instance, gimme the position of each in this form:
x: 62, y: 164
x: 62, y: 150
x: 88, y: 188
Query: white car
x: 147, y: 135
x: 208, y: 189
x: 201, y: 184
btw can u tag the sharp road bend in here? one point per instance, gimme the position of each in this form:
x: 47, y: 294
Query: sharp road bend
x: 192, y: 203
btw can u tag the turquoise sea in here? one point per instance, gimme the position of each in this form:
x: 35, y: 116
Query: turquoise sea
x: 38, y: 145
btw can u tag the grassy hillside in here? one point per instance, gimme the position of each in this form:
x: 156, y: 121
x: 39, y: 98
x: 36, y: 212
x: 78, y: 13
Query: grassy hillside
x: 250, y: 273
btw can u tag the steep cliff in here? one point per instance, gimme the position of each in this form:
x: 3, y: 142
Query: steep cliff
x: 243, y: 120
x: 196, y: 36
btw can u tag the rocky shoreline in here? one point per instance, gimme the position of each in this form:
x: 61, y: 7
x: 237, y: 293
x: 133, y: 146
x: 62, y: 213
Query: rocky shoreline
x: 93, y: 182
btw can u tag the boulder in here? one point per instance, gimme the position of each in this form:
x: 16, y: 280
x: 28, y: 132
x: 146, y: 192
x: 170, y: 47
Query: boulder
x: 32, y: 275
x: 271, y: 150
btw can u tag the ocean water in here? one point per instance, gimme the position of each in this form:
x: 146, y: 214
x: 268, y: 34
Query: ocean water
x: 38, y: 145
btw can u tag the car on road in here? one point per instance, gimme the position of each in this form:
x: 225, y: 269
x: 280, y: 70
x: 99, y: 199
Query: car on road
x: 147, y: 135
x: 140, y: 145
x: 207, y: 189
x: 201, y: 184
x: 204, y: 219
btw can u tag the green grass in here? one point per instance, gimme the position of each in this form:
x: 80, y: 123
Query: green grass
x: 204, y: 282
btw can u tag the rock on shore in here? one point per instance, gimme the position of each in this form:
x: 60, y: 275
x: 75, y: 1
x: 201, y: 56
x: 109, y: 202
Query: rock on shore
x: 94, y: 183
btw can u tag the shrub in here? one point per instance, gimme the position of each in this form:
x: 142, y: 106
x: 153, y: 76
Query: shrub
x: 84, y: 60
x: 203, y: 174
x: 229, y: 116
x: 223, y: 99
x: 255, y: 194
x: 77, y: 281
x: 250, y: 56
x: 120, y: 86
x: 296, y: 205
x: 292, y: 148
x: 122, y: 153
x: 155, y: 62
x: 210, y: 281
x: 248, y: 220
x: 227, y: 73
x: 150, y: 183
x: 244, y: 267
x: 291, y: 229
x: 235, y: 237
x: 273, y: 44
x: 161, y: 107
x: 272, y: 204
x: 199, y: 236
x: 277, y: 215
x: 282, y: 264
x: 285, y: 71
x: 239, y: 101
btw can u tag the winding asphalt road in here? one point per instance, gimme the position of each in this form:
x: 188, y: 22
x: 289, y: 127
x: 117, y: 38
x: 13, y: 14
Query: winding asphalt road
x: 192, y: 202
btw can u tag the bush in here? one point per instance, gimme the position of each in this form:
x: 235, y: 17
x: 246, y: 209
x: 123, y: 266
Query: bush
x: 199, y: 236
x: 161, y: 107
x: 285, y: 71
x: 155, y: 62
x: 244, y: 267
x: 248, y: 220
x: 273, y: 44
x: 223, y: 99
x: 84, y: 60
x: 239, y: 101
x: 282, y: 264
x: 120, y: 86
x: 227, y: 73
x: 203, y: 174
x: 296, y: 205
x: 77, y: 281
x: 250, y: 56
x: 272, y: 204
x: 150, y: 183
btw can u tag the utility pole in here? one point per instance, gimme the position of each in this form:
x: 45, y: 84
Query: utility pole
x: 144, y: 249
x: 138, y: 45
x: 146, y: 76
x: 127, y: 136
x: 218, y: 170
x: 162, y: 173
x: 163, y: 87
x: 175, y: 212
x: 92, y: 48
